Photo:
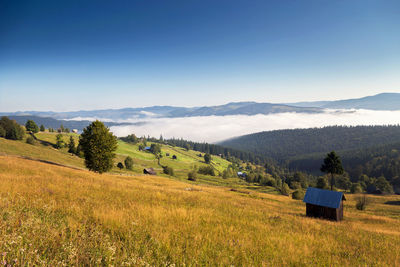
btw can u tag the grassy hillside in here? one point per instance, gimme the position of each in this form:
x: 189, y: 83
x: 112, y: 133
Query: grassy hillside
x: 185, y: 161
x: 42, y: 150
x: 53, y: 215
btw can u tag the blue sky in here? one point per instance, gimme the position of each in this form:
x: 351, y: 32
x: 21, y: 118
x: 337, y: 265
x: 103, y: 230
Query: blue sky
x: 73, y: 55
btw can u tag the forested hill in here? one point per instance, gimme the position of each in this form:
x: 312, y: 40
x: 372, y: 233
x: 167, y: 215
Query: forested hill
x: 283, y: 145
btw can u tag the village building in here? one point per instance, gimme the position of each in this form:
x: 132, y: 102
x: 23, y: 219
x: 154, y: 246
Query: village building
x: 150, y: 171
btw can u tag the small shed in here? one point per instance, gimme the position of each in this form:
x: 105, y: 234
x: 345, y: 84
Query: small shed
x: 241, y: 174
x: 150, y: 171
x: 324, y: 204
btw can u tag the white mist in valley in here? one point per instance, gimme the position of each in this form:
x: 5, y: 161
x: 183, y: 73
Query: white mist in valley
x: 217, y: 128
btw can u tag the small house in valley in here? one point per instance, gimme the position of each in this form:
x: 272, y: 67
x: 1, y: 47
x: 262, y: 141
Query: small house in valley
x: 150, y: 171
x: 324, y: 204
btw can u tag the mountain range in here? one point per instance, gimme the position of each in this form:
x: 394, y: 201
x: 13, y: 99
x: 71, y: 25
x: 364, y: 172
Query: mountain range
x: 384, y: 101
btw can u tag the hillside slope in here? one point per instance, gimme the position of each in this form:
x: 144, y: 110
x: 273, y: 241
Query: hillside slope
x: 185, y: 161
x: 53, y: 215
x: 285, y: 144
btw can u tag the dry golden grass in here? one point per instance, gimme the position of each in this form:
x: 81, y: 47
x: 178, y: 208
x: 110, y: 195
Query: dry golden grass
x: 51, y: 215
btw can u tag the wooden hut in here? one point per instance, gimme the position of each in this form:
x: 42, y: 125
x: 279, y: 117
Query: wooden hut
x: 150, y: 171
x: 324, y: 204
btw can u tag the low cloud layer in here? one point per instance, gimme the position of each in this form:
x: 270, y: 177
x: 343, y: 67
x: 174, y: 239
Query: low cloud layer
x: 217, y: 128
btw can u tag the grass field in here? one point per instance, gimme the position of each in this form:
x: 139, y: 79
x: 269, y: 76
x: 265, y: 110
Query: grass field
x: 51, y: 215
x: 45, y: 151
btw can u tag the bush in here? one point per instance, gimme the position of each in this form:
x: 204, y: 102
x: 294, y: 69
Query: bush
x: 285, y: 190
x: 298, y: 194
x: 155, y: 149
x: 60, y: 141
x: 30, y: 140
x: 322, y: 183
x: 192, y: 175
x: 12, y: 129
x: 207, y: 170
x: 31, y: 126
x: 2, y: 132
x: 71, y: 145
x: 356, y: 188
x: 383, y: 185
x: 207, y: 158
x: 174, y: 157
x: 120, y: 165
x: 130, y: 139
x: 168, y: 170
x: 128, y: 163
x: 42, y: 129
x: 362, y: 203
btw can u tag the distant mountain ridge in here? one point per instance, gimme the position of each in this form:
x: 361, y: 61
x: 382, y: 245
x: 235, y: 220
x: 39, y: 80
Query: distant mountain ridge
x: 384, y: 101
x: 239, y: 108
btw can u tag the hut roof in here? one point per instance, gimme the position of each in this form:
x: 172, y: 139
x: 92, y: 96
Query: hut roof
x: 325, y: 198
x: 149, y: 171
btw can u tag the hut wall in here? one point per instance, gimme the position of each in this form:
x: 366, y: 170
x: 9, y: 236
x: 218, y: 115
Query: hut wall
x: 324, y: 212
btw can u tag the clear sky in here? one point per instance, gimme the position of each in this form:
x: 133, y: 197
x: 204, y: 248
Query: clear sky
x: 73, y: 55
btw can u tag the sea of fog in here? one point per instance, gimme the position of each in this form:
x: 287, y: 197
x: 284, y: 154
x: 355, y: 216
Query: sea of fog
x: 217, y: 128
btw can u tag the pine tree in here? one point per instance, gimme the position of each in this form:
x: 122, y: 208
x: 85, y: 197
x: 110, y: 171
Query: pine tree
x: 60, y: 141
x: 332, y: 165
x: 71, y: 145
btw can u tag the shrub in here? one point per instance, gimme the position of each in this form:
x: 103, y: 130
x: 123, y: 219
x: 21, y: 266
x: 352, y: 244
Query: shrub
x: 187, y: 147
x: 207, y: 170
x: 174, y: 157
x: 120, y: 165
x: 155, y: 149
x: 60, y: 142
x: 168, y: 170
x: 298, y: 194
x: 2, y: 132
x: 79, y: 151
x: 192, y: 175
x: 130, y: 139
x: 71, y: 145
x: 207, y: 158
x: 30, y: 140
x: 31, y: 126
x: 285, y: 190
x: 362, y: 203
x: 322, y: 183
x: 128, y: 163
x: 356, y: 188
x: 383, y: 185
x: 12, y: 129
x: 42, y: 129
